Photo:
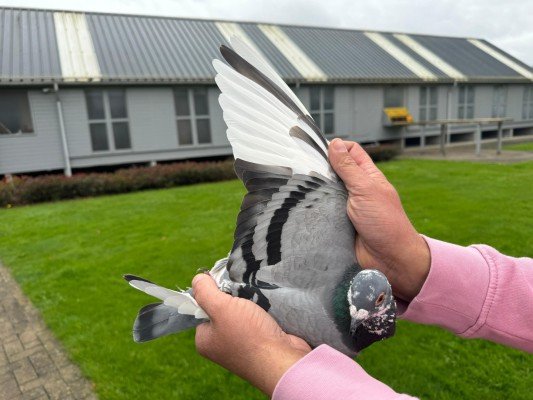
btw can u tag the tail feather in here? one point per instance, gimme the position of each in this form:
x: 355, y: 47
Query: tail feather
x: 183, y: 300
x: 178, y: 312
x: 158, y: 319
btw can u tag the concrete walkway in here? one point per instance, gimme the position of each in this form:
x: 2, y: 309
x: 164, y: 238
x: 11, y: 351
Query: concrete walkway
x: 33, y: 364
x: 467, y: 153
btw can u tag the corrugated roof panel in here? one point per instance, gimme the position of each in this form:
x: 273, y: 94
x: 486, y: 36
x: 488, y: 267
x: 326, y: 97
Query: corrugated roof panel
x: 293, y: 53
x: 464, y: 56
x: 150, y: 47
x: 274, y: 56
x: 430, y: 66
x: 516, y: 60
x: 400, y: 55
x: 344, y: 54
x: 502, y: 58
x: 76, y: 51
x: 146, y: 49
x: 28, y: 47
x: 430, y: 56
x: 229, y: 29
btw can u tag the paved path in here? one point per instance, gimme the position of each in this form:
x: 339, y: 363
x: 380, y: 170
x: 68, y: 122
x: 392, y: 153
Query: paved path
x: 468, y: 154
x: 33, y: 364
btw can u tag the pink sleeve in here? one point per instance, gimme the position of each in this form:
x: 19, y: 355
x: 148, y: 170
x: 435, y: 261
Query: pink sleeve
x: 473, y: 291
x: 476, y: 292
x: 326, y: 374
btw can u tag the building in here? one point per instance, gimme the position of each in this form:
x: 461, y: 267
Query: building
x: 84, y: 89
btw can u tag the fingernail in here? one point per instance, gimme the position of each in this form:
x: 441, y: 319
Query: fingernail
x: 197, y: 279
x: 338, y: 146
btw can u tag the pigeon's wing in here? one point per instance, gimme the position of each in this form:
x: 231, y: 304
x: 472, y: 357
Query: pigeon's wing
x: 267, y: 124
x: 292, y: 230
x: 292, y: 226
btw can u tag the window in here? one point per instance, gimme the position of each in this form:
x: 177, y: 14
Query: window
x: 428, y: 103
x: 393, y: 96
x: 322, y: 107
x: 499, y: 101
x: 527, y: 111
x: 15, y: 116
x: 192, y: 115
x: 466, y: 102
x: 108, y: 119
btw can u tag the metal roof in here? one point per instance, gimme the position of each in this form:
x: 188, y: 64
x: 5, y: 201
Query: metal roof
x: 28, y: 46
x: 44, y: 46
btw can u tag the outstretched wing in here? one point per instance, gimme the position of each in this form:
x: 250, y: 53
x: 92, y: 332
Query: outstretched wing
x: 267, y: 124
x: 292, y: 230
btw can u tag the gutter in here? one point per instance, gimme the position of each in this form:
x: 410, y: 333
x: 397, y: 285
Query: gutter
x: 64, y: 144
x: 154, y: 81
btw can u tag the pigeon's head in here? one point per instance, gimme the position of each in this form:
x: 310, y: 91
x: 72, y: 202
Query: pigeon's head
x: 372, y: 308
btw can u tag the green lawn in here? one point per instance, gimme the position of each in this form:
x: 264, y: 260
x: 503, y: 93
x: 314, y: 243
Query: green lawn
x: 69, y: 258
x: 528, y: 146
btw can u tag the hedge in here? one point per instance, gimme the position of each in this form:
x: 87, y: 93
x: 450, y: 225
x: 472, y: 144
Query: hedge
x: 383, y: 152
x: 28, y: 190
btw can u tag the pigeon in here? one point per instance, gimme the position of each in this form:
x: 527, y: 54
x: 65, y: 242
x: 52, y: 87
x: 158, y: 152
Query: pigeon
x: 293, y: 252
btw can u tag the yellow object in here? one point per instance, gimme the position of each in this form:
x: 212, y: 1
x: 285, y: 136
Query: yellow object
x: 397, y: 115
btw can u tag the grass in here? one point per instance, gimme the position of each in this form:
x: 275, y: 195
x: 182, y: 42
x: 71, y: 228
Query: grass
x: 69, y: 258
x: 528, y: 146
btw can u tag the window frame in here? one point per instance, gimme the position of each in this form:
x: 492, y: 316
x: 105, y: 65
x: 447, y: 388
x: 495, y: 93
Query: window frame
x: 463, y: 107
x: 25, y: 93
x: 427, y: 106
x: 390, y: 88
x: 109, y: 120
x: 322, y: 111
x: 527, y: 102
x: 193, y: 117
x: 499, y: 92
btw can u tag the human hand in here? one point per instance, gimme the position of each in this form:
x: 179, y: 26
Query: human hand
x: 386, y: 238
x: 244, y: 338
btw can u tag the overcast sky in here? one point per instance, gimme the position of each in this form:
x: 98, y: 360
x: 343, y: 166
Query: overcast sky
x: 506, y: 23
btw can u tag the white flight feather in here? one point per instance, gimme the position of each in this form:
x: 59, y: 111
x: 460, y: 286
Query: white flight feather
x: 234, y: 84
x: 262, y: 112
x: 254, y: 58
x: 245, y: 91
x: 256, y: 134
x: 254, y: 116
x: 249, y: 111
x: 246, y: 151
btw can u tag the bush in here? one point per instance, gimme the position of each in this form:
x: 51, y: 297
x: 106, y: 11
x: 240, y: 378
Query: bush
x: 382, y: 152
x: 28, y: 190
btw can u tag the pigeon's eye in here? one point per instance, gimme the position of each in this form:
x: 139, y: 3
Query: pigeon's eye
x: 380, y: 299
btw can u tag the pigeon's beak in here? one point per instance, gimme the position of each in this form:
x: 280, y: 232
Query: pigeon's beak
x: 363, y: 339
x: 358, y: 317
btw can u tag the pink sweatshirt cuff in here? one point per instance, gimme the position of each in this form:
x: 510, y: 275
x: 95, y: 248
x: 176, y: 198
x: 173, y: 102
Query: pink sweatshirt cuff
x: 325, y: 374
x: 476, y: 292
x: 454, y: 291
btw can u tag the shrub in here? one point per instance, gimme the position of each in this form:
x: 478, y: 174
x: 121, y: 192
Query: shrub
x: 382, y: 152
x: 27, y: 190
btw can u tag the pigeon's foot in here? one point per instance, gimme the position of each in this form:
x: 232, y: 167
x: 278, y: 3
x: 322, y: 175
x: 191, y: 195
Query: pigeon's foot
x: 202, y: 270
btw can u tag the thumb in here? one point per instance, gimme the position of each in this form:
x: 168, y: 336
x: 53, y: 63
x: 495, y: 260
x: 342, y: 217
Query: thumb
x: 345, y: 166
x: 208, y: 295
